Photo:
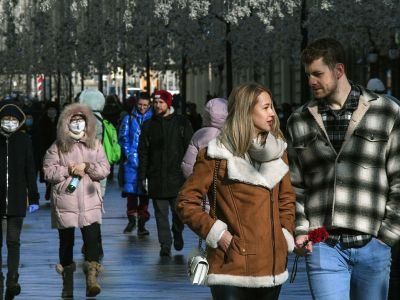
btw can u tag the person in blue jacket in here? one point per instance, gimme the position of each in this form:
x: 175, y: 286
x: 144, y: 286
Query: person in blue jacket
x: 129, y: 133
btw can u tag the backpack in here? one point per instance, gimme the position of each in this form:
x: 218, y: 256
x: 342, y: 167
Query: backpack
x: 110, y: 142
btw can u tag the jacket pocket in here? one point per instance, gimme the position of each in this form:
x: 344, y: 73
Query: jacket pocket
x: 373, y: 145
x: 66, y: 202
x: 305, y: 142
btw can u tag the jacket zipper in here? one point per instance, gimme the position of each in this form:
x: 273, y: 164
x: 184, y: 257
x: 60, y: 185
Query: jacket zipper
x: 7, y: 182
x: 273, y: 234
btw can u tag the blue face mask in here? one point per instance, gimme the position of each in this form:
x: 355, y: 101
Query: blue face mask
x: 29, y: 122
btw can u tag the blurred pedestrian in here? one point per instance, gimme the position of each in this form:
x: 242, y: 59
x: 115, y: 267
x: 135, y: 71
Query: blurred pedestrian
x: 47, y: 134
x: 214, y: 117
x: 194, y: 117
x: 17, y: 185
x: 96, y: 102
x: 77, y: 156
x: 162, y: 144
x: 129, y: 133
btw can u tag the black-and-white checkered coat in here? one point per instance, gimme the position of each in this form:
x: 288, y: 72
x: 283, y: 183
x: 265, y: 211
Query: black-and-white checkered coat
x: 357, y: 188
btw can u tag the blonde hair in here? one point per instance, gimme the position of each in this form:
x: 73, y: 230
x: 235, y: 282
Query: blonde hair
x: 237, y: 132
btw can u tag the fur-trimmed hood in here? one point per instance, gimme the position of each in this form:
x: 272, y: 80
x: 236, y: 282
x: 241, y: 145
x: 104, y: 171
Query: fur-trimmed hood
x: 239, y: 169
x: 64, y: 140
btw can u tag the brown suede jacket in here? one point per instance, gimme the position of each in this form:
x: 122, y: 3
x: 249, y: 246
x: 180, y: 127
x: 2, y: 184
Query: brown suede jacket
x: 256, y: 206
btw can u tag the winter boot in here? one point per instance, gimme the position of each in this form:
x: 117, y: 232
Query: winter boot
x: 67, y: 274
x: 131, y: 224
x: 178, y: 240
x: 12, y: 286
x: 91, y: 270
x: 142, y: 231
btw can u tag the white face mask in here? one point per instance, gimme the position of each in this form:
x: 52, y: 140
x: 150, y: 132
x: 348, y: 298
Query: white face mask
x: 9, y: 125
x: 77, y: 126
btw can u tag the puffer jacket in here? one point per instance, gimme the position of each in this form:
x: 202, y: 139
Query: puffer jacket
x: 84, y: 206
x: 256, y: 207
x: 17, y: 171
x: 129, y: 134
x: 214, y: 117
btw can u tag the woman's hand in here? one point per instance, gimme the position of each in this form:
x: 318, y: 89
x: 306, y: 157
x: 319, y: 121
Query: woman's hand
x: 225, y: 240
x: 78, y: 169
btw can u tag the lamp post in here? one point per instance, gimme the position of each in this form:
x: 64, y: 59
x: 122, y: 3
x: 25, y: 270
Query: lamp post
x: 393, y: 55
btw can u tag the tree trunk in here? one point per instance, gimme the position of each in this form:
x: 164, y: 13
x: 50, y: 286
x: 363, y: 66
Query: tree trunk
x: 100, y: 86
x: 70, y: 92
x: 58, y: 100
x: 11, y: 84
x: 183, y: 84
x: 28, y: 85
x: 124, y: 83
x: 82, y: 80
x: 229, y: 75
x: 50, y: 88
x: 148, y: 79
x: 305, y: 89
x: 396, y: 78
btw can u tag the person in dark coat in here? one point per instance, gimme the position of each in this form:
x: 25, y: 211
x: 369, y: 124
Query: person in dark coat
x: 47, y: 134
x: 162, y: 145
x: 17, y: 184
x: 129, y: 133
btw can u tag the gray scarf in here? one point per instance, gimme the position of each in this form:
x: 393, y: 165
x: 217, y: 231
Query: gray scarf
x: 272, y: 149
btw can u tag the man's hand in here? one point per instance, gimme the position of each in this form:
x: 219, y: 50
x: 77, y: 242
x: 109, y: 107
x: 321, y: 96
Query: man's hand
x: 225, y: 240
x: 299, y: 249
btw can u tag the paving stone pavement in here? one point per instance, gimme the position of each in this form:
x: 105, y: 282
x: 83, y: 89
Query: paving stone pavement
x: 132, y: 266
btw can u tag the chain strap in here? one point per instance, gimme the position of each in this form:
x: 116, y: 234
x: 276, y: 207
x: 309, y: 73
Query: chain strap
x: 214, y: 203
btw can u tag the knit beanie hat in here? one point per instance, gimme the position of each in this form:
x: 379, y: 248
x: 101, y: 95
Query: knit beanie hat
x: 376, y: 85
x: 165, y: 96
x: 93, y: 98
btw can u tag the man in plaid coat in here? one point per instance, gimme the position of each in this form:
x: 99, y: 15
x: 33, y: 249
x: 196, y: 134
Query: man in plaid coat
x: 344, y: 151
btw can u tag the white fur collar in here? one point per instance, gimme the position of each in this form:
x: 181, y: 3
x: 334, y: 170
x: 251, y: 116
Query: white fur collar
x: 239, y: 169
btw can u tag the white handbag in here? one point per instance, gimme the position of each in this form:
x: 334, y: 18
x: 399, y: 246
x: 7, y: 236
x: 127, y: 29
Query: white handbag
x: 197, y: 260
x: 197, y: 267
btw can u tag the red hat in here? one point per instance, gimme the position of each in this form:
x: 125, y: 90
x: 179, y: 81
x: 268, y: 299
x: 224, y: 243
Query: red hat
x: 165, y: 96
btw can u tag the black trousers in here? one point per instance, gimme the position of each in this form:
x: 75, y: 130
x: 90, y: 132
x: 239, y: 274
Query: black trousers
x: 161, y: 212
x: 226, y: 292
x: 90, y: 236
x: 14, y: 226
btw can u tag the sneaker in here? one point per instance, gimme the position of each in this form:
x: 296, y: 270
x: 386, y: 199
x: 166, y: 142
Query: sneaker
x: 178, y: 241
x: 165, y: 251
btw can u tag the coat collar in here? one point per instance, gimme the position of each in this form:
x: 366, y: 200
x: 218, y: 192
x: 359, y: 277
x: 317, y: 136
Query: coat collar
x: 239, y: 169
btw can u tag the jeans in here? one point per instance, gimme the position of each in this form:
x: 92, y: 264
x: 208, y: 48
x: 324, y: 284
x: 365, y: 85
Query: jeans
x: 394, y: 287
x: 354, y: 273
x: 138, y: 204
x: 161, y: 212
x: 90, y: 236
x: 14, y: 226
x: 226, y: 292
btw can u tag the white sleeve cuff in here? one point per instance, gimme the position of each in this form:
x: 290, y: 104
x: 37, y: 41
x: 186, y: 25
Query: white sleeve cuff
x: 215, y: 233
x: 289, y: 239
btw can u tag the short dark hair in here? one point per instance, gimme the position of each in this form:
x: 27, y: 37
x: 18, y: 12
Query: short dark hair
x: 331, y: 51
x: 144, y: 95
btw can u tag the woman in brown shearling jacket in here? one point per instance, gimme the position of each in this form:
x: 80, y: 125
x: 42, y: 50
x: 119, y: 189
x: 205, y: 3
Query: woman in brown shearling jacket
x: 250, y: 238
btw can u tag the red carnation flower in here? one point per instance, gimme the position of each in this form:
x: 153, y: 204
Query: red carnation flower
x: 315, y: 236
